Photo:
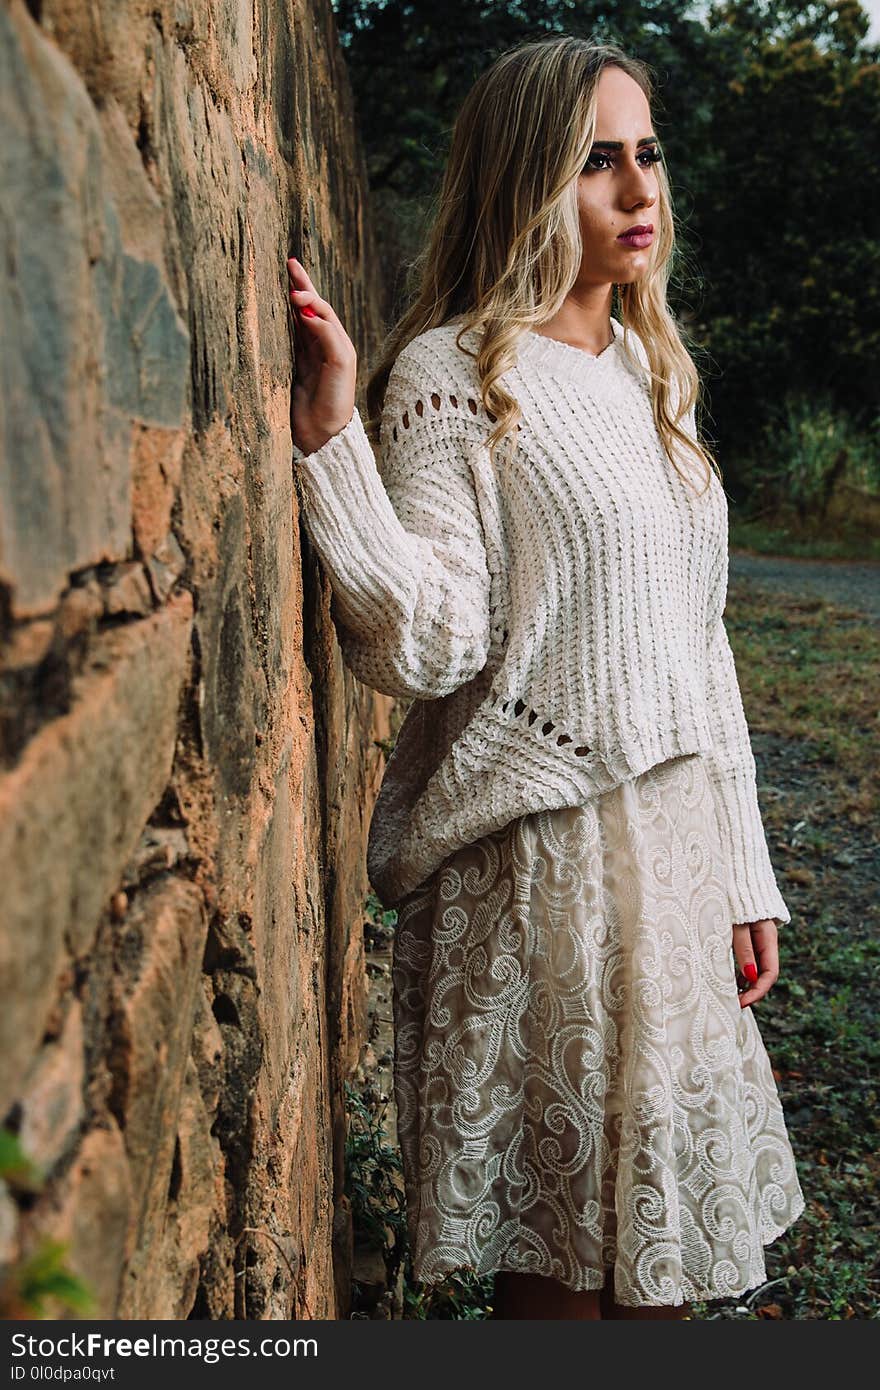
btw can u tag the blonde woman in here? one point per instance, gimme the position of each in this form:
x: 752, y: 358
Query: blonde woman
x: 568, y: 825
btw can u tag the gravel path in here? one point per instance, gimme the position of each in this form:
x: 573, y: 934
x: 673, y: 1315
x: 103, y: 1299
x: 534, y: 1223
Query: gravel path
x: 850, y: 583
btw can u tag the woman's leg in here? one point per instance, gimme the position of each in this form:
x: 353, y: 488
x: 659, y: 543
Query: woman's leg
x: 618, y: 1312
x: 537, y: 1296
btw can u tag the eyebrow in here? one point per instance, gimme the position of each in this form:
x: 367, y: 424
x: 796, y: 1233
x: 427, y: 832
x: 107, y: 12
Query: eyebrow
x: 618, y: 144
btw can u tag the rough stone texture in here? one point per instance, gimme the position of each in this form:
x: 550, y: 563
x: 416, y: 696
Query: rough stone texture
x: 71, y: 811
x: 186, y: 769
x: 52, y: 1105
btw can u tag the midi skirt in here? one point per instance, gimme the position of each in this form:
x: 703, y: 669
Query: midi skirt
x: 578, y: 1089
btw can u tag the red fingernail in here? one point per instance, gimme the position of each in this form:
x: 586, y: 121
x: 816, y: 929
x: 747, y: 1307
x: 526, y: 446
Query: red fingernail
x: 750, y: 970
x: 308, y: 312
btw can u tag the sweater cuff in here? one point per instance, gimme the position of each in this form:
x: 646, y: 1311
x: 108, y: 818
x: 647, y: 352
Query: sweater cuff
x: 752, y: 889
x: 351, y: 520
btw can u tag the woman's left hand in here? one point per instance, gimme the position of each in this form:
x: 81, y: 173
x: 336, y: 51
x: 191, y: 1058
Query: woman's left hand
x: 755, y: 945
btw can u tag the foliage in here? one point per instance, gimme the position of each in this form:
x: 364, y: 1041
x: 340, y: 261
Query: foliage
x: 805, y: 451
x: 41, y: 1277
x: 373, y: 1182
x: 44, y: 1281
x: 777, y: 537
x: 769, y: 115
x: 788, y: 241
x: 374, y: 1185
x: 376, y: 913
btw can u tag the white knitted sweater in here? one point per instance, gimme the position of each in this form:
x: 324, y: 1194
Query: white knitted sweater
x: 557, y: 621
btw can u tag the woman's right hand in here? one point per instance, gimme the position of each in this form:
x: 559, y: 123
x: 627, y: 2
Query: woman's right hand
x: 325, y: 366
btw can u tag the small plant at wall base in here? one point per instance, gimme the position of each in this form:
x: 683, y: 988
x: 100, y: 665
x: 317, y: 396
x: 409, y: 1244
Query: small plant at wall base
x: 27, y: 1284
x: 378, y: 917
x: 374, y: 1186
x: 372, y: 1169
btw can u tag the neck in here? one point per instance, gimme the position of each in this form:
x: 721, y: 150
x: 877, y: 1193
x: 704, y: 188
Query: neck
x: 584, y: 321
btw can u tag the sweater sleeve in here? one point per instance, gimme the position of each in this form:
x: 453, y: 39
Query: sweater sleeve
x: 752, y: 888
x: 402, y: 541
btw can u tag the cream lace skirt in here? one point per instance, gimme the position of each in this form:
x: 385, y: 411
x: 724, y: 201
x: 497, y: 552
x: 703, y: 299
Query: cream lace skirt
x: 577, y: 1086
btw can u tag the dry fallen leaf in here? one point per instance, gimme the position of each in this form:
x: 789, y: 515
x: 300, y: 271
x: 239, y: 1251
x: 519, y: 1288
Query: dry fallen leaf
x: 769, y: 1310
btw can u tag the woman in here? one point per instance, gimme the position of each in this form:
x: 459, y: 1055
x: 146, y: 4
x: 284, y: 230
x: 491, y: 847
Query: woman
x: 569, y: 824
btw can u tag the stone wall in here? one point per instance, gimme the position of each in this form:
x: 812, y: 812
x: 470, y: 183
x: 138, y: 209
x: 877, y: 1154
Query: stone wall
x: 187, y: 769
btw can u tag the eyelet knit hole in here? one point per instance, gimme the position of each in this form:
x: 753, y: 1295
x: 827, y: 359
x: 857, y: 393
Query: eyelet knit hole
x: 472, y: 405
x: 454, y: 401
x: 518, y: 706
x: 394, y: 432
x: 435, y: 400
x: 420, y: 409
x: 406, y: 419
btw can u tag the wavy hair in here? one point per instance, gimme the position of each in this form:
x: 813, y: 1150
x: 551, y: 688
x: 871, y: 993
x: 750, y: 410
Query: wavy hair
x: 505, y: 248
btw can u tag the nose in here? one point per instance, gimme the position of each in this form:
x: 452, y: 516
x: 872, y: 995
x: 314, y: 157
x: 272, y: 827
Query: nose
x: 641, y: 188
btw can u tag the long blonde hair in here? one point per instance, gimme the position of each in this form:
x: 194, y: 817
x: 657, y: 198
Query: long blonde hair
x: 505, y: 246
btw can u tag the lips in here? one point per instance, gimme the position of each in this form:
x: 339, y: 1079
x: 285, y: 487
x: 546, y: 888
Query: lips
x: 639, y: 228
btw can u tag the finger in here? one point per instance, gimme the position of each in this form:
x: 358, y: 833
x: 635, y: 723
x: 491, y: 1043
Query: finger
x: 299, y: 278
x: 768, y: 954
x: 308, y: 350
x: 329, y: 343
x: 302, y: 282
x: 293, y: 320
x: 314, y: 327
x: 768, y: 963
x: 302, y: 310
x: 758, y: 991
x: 311, y: 306
x: 744, y: 953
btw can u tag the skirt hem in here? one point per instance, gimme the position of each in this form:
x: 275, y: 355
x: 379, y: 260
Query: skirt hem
x: 594, y: 1279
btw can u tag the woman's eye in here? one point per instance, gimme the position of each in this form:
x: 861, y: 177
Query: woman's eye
x: 649, y: 156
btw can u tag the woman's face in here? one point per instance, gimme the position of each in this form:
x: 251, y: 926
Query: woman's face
x: 618, y: 188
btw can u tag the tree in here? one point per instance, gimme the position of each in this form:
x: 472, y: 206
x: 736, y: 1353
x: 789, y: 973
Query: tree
x: 769, y: 117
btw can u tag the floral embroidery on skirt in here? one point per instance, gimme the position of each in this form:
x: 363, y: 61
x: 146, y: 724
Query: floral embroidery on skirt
x: 577, y: 1086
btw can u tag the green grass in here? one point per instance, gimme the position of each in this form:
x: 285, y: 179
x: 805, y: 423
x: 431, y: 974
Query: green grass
x: 785, y: 536
x: 808, y: 673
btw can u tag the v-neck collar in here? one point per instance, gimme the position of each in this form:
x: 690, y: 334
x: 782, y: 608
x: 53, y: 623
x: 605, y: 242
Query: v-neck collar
x: 537, y: 350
